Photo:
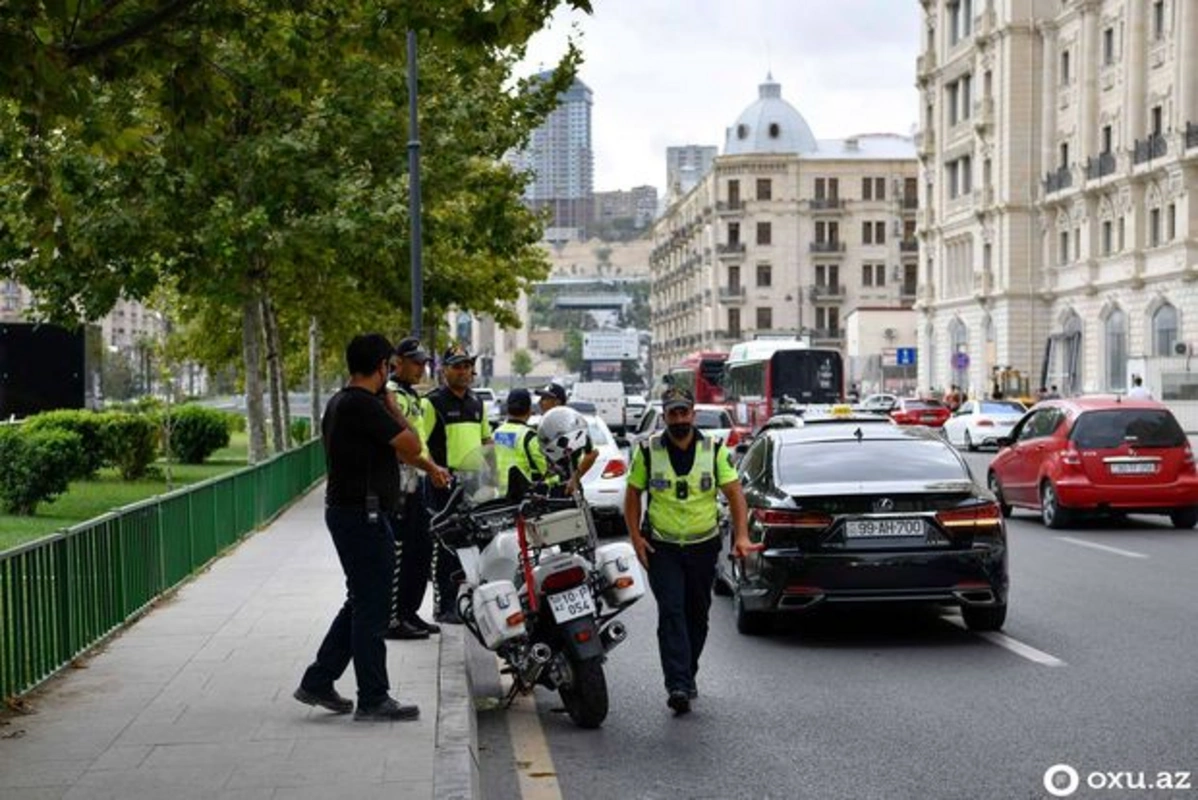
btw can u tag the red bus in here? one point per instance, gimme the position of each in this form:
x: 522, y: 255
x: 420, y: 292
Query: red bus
x: 703, y: 374
x: 762, y: 373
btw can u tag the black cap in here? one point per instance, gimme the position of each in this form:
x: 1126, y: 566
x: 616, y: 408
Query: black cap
x: 677, y: 397
x: 519, y: 401
x: 456, y: 354
x: 409, y: 347
x: 554, y: 390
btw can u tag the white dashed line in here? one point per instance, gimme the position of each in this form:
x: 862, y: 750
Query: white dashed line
x: 1015, y: 646
x: 1103, y: 547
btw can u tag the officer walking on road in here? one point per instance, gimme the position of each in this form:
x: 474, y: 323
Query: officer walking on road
x: 363, y: 432
x: 516, y: 443
x: 414, y: 565
x: 455, y: 425
x: 681, y: 470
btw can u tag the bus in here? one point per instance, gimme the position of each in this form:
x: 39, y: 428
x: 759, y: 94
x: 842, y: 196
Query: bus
x: 759, y: 374
x: 701, y: 373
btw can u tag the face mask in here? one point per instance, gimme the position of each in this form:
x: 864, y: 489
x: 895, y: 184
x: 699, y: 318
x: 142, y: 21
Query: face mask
x: 679, y: 430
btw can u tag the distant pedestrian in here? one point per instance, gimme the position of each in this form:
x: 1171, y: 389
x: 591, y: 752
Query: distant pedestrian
x: 1138, y: 390
x: 363, y: 432
x: 1053, y: 393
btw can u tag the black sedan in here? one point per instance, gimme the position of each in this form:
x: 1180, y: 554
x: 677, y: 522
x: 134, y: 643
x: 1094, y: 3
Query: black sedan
x: 865, y: 514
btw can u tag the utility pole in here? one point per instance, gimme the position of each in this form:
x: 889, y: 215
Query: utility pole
x: 414, y: 191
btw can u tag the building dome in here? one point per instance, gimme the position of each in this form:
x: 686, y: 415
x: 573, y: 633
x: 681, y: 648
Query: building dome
x: 770, y: 125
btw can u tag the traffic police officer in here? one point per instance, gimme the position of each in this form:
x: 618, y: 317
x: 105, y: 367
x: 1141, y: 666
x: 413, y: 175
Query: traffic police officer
x: 681, y: 470
x: 551, y: 397
x: 455, y: 425
x: 414, y: 565
x: 516, y: 443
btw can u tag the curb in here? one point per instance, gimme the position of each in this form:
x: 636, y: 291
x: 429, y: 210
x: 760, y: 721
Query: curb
x: 455, y: 757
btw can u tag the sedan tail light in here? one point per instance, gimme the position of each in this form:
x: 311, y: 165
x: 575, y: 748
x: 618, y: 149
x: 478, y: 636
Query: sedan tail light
x: 985, y: 423
x: 733, y: 438
x: 983, y: 515
x: 811, y: 520
x: 614, y: 468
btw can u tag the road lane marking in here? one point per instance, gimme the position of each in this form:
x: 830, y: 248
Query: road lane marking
x: 1014, y: 645
x: 1104, y: 547
x: 534, y: 763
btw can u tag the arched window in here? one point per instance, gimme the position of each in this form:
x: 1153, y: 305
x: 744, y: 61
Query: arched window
x: 933, y: 366
x: 1164, y: 330
x: 1116, y: 351
x: 958, y: 338
x: 1071, y: 355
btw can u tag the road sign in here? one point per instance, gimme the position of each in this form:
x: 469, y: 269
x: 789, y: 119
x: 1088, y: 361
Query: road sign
x: 960, y: 361
x: 904, y: 356
x: 613, y: 345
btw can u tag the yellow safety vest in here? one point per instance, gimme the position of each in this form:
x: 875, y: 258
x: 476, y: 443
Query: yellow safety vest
x: 516, y: 445
x: 686, y: 521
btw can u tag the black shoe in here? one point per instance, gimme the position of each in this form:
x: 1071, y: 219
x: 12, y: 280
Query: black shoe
x: 330, y: 700
x: 404, y: 629
x: 388, y: 711
x: 417, y: 622
x: 449, y: 618
x: 679, y: 702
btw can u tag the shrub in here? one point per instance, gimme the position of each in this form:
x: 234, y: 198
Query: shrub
x: 35, y: 466
x: 301, y: 430
x: 197, y: 433
x: 237, y: 423
x: 130, y: 443
x: 84, y: 424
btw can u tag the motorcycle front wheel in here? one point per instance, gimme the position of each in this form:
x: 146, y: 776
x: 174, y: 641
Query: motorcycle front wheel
x: 585, y: 697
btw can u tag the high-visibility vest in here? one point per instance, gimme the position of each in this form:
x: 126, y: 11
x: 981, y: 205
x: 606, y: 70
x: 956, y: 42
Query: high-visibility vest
x: 516, y: 445
x: 682, y: 521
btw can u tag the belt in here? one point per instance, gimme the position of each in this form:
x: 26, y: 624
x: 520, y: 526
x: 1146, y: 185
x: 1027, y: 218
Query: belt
x: 684, y: 538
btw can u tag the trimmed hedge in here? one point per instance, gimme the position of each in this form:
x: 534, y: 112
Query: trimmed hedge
x: 87, y: 425
x: 198, y: 432
x: 36, y: 466
x: 130, y: 442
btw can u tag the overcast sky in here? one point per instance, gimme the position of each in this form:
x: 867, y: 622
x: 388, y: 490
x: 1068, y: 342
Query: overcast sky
x: 673, y: 72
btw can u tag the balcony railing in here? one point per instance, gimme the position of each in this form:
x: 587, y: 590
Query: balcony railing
x: 827, y: 291
x: 909, y: 290
x: 826, y: 204
x: 731, y: 248
x: 1100, y: 166
x: 925, y: 142
x: 732, y: 294
x: 910, y: 202
x: 827, y: 247
x: 1191, y: 135
x: 1058, y: 179
x: 983, y: 113
x: 909, y: 245
x: 925, y: 62
x: 729, y: 205
x: 827, y: 334
x: 1154, y: 146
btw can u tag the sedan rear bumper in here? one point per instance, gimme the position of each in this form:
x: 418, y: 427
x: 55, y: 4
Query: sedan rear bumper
x: 790, y: 581
x: 1148, y: 499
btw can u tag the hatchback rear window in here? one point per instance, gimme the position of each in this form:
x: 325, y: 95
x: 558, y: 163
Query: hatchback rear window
x: 598, y: 432
x: 1144, y: 427
x: 877, y: 460
x: 706, y: 420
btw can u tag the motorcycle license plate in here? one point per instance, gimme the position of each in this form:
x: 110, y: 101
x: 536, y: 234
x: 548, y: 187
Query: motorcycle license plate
x: 572, y: 604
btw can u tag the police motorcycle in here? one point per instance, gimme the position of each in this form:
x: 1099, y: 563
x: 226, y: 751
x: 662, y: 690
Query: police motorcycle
x: 535, y: 588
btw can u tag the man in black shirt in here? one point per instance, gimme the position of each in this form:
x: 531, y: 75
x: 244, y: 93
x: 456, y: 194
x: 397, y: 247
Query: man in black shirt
x: 363, y: 431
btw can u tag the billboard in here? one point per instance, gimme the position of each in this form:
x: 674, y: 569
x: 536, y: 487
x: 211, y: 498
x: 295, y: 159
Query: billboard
x: 42, y: 368
x: 610, y: 345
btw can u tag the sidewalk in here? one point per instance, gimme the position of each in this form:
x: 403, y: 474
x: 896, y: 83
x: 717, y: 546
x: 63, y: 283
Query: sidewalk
x: 194, y: 700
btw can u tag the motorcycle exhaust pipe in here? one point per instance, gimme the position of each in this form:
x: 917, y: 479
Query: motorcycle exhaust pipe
x: 540, y: 653
x: 612, y: 635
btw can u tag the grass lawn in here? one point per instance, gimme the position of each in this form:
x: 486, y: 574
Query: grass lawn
x: 90, y: 499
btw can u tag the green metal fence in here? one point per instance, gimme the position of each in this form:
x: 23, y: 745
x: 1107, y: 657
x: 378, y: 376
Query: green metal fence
x: 62, y: 594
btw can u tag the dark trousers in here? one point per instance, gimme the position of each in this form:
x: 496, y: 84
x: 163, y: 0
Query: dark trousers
x: 367, y: 554
x: 681, y: 577
x: 415, y: 556
x: 445, y: 562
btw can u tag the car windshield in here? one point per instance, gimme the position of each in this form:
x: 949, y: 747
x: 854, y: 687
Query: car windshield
x: 706, y: 420
x: 598, y: 432
x: 1144, y: 427
x: 876, y: 460
x: 991, y: 407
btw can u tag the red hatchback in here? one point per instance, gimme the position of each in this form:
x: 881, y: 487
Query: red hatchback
x: 1099, y: 455
x: 909, y: 411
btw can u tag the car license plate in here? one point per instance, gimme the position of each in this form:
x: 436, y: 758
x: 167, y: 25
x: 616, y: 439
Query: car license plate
x: 1134, y: 468
x: 572, y: 603
x: 874, y: 528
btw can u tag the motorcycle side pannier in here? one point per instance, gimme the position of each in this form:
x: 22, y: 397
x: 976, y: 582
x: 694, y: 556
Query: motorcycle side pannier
x: 623, y: 579
x: 497, y: 613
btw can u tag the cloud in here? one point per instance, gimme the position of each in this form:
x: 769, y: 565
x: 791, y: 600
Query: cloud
x: 667, y: 72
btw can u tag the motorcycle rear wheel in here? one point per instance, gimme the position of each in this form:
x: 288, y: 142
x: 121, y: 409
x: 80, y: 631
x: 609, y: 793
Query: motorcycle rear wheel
x: 585, y: 697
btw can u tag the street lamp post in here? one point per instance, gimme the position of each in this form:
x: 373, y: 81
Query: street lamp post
x: 414, y: 191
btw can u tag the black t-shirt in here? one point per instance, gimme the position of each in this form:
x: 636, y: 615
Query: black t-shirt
x: 357, y: 432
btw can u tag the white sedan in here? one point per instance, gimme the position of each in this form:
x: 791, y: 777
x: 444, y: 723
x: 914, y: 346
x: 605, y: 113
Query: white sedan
x: 978, y: 423
x: 605, y: 482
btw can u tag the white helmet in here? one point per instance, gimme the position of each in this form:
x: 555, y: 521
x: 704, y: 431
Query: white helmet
x: 562, y: 433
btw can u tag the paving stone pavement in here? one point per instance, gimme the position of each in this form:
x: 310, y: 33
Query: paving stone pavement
x: 194, y: 699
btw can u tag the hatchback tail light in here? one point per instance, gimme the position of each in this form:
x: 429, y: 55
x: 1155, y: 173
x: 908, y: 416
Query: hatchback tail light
x: 564, y: 579
x: 614, y: 468
x: 1071, y: 458
x: 1187, y: 459
x: 811, y: 520
x: 983, y: 515
x: 985, y: 423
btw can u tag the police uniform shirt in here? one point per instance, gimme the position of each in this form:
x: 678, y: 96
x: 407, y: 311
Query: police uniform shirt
x: 682, y: 461
x: 357, y: 433
x: 466, y: 414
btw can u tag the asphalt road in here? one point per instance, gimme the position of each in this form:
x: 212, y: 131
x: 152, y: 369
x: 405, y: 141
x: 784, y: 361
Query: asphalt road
x: 1095, y: 669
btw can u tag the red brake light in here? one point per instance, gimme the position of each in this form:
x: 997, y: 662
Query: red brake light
x: 733, y: 438
x: 1071, y: 457
x: 791, y: 519
x: 984, y: 515
x: 563, y: 579
x: 615, y: 468
x: 985, y: 423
